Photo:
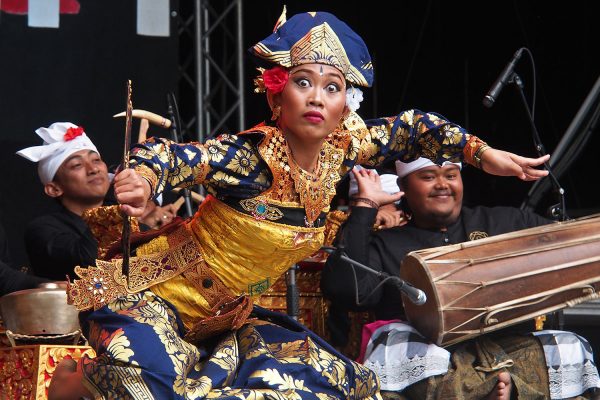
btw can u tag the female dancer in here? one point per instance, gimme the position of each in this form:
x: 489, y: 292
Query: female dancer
x: 181, y: 324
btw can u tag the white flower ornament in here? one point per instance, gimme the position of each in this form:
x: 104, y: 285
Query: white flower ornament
x: 353, y: 98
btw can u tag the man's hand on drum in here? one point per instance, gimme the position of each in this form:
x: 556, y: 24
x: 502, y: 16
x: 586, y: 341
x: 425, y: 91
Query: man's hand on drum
x: 132, y: 192
x: 503, y: 163
x: 369, y: 187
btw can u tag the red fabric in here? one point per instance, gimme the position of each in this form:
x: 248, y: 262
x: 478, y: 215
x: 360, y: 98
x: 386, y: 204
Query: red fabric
x: 20, y: 7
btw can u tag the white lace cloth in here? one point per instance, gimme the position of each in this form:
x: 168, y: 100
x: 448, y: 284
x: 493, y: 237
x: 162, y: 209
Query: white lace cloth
x: 570, y: 362
x: 400, y: 356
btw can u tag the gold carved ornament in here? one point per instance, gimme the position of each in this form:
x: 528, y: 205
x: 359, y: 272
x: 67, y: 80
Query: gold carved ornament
x: 104, y: 283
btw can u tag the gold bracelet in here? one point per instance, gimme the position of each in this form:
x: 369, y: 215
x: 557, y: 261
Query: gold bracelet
x: 148, y: 175
x: 366, y: 201
x: 479, y: 153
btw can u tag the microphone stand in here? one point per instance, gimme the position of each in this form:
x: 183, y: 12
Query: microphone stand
x: 292, y: 295
x: 417, y: 296
x: 558, y: 211
x: 173, y: 111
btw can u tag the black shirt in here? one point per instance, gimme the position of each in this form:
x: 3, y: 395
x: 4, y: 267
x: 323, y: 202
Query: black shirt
x: 384, y: 251
x: 58, y: 242
x: 12, y: 280
x: 4, y: 253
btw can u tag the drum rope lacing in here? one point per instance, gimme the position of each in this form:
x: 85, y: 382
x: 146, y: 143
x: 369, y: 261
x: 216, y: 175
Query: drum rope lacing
x: 467, y: 262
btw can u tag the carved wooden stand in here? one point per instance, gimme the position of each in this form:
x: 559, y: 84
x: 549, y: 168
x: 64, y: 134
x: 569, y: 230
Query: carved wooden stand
x: 26, y: 370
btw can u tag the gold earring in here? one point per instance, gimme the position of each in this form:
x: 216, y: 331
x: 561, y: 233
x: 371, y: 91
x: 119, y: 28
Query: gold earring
x: 276, y: 113
x: 341, y: 125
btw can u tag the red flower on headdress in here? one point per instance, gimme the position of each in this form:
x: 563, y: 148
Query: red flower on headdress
x: 275, y: 78
x: 72, y: 133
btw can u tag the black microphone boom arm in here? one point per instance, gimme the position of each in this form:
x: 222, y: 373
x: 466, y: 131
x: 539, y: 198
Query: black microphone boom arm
x: 416, y: 296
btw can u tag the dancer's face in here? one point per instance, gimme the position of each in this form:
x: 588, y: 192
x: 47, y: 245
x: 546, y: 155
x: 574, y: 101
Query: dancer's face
x: 312, y: 102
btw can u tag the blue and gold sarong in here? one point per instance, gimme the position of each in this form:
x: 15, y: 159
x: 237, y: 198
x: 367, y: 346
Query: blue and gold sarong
x: 269, y: 357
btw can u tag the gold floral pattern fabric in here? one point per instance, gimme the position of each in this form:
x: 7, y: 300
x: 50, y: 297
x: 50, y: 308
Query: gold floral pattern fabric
x: 257, y: 163
x: 100, y: 285
x: 106, y: 224
x: 259, y: 360
x: 139, y: 341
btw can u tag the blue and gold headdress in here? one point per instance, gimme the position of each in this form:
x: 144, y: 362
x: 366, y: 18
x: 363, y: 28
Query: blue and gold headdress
x: 317, y: 37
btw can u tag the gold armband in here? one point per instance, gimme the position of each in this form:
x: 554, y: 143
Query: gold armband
x: 478, y: 154
x: 473, y: 150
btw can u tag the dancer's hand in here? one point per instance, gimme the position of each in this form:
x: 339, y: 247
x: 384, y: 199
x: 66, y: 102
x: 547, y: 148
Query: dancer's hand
x: 503, y: 163
x: 132, y: 192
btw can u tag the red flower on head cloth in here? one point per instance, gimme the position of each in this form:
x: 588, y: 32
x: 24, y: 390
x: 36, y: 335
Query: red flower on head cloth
x: 72, y: 133
x: 275, y: 78
x: 61, y: 139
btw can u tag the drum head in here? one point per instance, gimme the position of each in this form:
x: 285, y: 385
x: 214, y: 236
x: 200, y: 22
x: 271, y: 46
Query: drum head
x: 426, y: 318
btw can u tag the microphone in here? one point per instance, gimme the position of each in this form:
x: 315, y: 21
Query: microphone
x: 416, y: 296
x: 502, y: 80
x: 334, y: 252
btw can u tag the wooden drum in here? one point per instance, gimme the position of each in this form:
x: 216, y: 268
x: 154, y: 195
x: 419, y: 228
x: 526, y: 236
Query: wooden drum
x: 481, y: 286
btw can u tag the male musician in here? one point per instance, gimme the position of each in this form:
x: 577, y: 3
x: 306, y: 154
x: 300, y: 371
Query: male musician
x: 12, y: 280
x: 73, y: 173
x: 490, y: 366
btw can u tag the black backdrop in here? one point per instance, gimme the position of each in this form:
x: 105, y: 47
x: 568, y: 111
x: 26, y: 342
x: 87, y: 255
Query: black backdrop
x: 443, y: 56
x: 76, y: 73
x: 433, y: 55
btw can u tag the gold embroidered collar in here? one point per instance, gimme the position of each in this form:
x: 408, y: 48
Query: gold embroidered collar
x: 292, y: 184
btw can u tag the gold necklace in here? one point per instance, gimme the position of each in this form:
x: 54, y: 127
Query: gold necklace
x: 315, y: 169
x: 318, y: 188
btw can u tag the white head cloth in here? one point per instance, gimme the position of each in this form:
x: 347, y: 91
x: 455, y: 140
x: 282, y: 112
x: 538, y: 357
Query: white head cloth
x: 55, y: 149
x: 388, y: 183
x: 403, y: 169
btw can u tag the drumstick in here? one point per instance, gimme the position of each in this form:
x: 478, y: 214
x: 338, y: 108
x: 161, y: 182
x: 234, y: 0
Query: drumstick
x: 198, y: 198
x: 155, y: 119
x: 177, y: 203
x: 144, y: 125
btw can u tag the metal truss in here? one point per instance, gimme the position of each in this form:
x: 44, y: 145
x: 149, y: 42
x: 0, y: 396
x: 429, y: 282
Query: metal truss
x: 211, y: 68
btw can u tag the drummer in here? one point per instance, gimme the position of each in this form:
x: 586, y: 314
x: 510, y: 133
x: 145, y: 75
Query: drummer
x: 487, y: 367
